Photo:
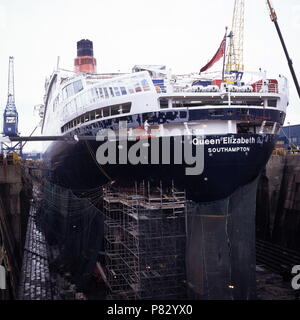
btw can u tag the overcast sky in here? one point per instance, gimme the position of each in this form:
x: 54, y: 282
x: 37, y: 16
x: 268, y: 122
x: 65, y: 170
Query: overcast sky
x: 183, y: 35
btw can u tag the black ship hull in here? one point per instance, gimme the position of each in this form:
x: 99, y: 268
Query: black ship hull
x: 226, y: 166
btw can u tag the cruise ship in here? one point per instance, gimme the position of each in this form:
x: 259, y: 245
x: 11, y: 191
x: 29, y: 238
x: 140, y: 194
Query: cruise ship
x: 205, y: 135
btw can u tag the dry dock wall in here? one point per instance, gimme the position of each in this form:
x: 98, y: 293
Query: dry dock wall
x: 15, y: 192
x: 278, y: 202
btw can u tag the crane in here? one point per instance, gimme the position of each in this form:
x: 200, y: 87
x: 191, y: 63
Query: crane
x: 234, y: 55
x: 10, y: 116
x: 10, y: 123
x: 273, y: 17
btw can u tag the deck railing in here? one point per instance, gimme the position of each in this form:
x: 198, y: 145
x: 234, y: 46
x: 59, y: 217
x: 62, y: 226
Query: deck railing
x: 255, y: 88
x: 271, y: 88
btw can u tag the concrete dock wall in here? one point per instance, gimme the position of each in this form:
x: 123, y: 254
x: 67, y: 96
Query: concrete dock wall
x: 15, y: 192
x: 278, y: 202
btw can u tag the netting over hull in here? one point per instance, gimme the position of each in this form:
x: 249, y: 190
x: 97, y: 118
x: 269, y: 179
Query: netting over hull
x: 73, y: 227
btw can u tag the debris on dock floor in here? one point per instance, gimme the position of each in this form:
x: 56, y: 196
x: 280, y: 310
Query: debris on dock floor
x: 35, y: 281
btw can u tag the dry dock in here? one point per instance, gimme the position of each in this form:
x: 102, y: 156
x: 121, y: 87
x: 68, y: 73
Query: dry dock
x: 65, y: 262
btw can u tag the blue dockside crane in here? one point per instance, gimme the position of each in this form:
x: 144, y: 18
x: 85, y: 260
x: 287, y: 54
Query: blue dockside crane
x: 10, y: 115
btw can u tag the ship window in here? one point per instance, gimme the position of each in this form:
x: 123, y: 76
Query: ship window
x: 117, y: 92
x: 137, y: 87
x: 105, y: 92
x: 123, y: 91
x: 111, y: 91
x: 106, y: 112
x: 115, y: 110
x: 98, y: 113
x: 126, y: 108
x: 175, y: 104
x: 130, y: 89
x: 145, y: 85
x: 164, y: 104
x: 77, y: 86
x: 70, y: 90
x: 268, y: 129
x: 272, y: 103
x: 101, y: 92
x: 95, y: 93
x: 245, y: 128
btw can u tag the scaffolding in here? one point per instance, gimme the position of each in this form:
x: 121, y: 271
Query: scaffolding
x: 145, y: 240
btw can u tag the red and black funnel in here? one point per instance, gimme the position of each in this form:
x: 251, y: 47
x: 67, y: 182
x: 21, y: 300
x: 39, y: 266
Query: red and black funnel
x: 85, y: 61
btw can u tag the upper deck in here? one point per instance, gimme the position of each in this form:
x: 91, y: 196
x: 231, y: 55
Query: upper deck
x: 75, y: 100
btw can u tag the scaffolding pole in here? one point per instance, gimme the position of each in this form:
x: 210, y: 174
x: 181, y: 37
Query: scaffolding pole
x: 145, y: 242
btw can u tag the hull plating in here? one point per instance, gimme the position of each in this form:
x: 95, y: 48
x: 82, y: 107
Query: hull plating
x: 227, y: 166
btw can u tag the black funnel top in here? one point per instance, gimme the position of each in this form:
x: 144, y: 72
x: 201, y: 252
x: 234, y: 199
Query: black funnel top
x: 85, y: 48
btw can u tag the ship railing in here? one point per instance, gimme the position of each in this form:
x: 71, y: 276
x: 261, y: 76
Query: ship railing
x: 105, y: 75
x: 270, y: 88
x: 254, y: 88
